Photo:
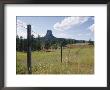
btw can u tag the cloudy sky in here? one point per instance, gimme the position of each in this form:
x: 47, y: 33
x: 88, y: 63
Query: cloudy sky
x: 75, y: 27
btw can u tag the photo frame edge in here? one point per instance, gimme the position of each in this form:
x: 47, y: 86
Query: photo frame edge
x: 2, y: 49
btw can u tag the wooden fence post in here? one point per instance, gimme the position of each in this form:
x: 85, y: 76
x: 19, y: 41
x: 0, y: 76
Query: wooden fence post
x: 61, y: 52
x: 29, y: 49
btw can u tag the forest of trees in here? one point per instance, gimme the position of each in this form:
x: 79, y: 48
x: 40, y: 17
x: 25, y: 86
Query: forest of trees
x: 40, y: 43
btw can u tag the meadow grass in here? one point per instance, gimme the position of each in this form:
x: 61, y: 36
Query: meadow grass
x: 75, y: 61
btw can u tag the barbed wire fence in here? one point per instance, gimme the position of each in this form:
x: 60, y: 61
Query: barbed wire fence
x: 27, y: 28
x: 27, y: 32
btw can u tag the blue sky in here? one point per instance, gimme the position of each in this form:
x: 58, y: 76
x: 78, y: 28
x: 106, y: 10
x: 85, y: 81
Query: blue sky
x: 75, y: 27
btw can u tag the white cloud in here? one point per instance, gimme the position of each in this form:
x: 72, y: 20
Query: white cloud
x: 21, y: 24
x: 21, y: 32
x: 69, y: 22
x: 22, y: 29
x: 36, y: 34
x: 63, y: 35
x: 91, y: 28
x: 80, y: 34
x: 42, y: 35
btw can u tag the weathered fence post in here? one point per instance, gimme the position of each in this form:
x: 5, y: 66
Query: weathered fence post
x: 61, y: 52
x: 29, y: 49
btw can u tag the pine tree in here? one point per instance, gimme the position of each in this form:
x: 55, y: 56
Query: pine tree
x: 38, y: 44
x: 17, y: 42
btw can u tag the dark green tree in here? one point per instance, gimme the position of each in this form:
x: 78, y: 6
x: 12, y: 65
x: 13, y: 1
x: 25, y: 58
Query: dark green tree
x: 38, y: 43
x: 21, y: 43
x: 47, y: 45
x: 17, y: 43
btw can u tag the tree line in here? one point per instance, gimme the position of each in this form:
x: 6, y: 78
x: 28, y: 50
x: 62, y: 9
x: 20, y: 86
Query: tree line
x: 40, y: 43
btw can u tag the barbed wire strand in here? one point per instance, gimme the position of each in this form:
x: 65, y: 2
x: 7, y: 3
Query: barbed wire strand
x: 20, y: 25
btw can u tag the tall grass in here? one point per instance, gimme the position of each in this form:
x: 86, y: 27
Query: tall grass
x: 75, y: 61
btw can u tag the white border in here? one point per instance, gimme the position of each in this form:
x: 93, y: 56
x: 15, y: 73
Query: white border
x: 96, y: 80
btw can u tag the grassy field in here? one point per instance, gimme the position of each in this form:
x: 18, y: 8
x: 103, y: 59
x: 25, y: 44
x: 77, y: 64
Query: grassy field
x: 78, y: 60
